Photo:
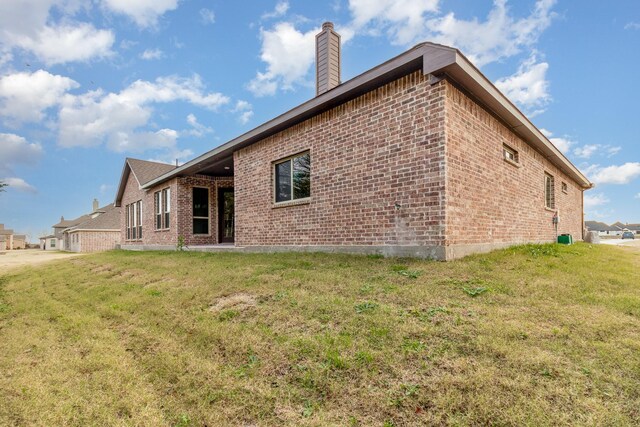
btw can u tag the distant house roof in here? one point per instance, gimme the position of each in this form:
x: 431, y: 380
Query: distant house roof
x: 109, y: 220
x: 19, y: 237
x: 66, y: 223
x: 598, y: 226
x: 432, y: 60
x: 143, y: 170
x: 621, y: 226
x: 6, y: 232
x: 50, y: 236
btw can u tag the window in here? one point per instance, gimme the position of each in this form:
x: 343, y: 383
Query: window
x: 166, y: 206
x: 139, y: 218
x: 133, y: 220
x: 565, y: 187
x: 157, y: 203
x: 162, y: 206
x: 52, y: 243
x: 510, y: 154
x: 549, y: 192
x: 200, y: 210
x: 293, y: 178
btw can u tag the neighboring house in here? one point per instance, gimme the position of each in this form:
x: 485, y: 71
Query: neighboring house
x: 19, y: 241
x: 420, y: 156
x: 635, y: 228
x: 98, y: 233
x: 615, y: 229
x: 11, y: 241
x: 95, y: 234
x: 49, y: 243
x: 602, y: 228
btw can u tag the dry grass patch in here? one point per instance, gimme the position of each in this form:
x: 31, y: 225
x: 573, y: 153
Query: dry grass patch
x: 533, y: 335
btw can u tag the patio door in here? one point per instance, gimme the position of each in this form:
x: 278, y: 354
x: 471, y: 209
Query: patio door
x: 226, y: 215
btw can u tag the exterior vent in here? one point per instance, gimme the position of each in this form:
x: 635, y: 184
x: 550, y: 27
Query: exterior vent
x: 327, y: 59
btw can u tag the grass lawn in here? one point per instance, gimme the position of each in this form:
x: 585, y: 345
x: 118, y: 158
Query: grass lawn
x: 533, y: 335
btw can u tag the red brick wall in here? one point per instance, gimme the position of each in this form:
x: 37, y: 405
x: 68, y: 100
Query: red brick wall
x: 181, y: 210
x: 96, y: 241
x: 185, y: 208
x: 381, y: 149
x: 490, y: 200
x: 150, y: 236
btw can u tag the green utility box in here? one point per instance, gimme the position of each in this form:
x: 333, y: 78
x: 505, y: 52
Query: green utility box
x: 565, y: 239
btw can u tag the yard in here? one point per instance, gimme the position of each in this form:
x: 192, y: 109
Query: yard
x: 533, y: 335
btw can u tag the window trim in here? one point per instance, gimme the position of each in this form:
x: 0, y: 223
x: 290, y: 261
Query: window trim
x: 549, y: 191
x: 516, y: 157
x: 133, y: 221
x: 292, y: 201
x: 162, y: 209
x: 208, y: 218
x: 565, y: 187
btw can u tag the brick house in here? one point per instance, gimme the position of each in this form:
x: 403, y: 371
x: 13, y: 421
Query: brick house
x: 98, y: 233
x: 10, y: 241
x: 419, y: 156
x: 98, y: 230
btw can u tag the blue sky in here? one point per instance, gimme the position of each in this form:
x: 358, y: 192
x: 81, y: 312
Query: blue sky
x: 85, y: 83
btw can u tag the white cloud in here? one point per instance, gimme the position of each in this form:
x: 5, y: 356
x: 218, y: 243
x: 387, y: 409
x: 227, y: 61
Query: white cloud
x: 20, y: 185
x: 615, y: 174
x: 121, y: 120
x: 528, y: 87
x: 25, y: 96
x: 562, y: 144
x: 145, y: 13
x: 632, y: 26
x: 53, y: 38
x: 404, y: 21
x: 499, y: 36
x: 104, y: 188
x: 288, y: 53
x: 15, y: 150
x: 67, y: 43
x: 5, y: 58
x: 593, y: 200
x: 586, y: 151
x: 198, y: 129
x: 637, y: 196
x: 151, y: 54
x: 207, y: 16
x: 139, y: 142
x: 246, y: 111
x: 612, y: 151
x: 281, y: 8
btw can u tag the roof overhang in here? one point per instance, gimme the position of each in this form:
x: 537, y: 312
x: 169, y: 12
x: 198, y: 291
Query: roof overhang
x: 432, y: 59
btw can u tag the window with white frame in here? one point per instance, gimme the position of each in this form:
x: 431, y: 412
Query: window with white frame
x: 293, y: 178
x: 162, y: 203
x: 549, y: 191
x: 510, y: 154
x: 133, y: 220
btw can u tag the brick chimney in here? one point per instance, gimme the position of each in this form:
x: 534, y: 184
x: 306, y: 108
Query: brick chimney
x: 96, y: 205
x: 327, y: 59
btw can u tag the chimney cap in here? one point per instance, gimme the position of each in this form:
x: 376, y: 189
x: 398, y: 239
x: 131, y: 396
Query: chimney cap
x: 327, y: 26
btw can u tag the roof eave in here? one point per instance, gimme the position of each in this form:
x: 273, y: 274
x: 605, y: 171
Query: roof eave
x: 434, y: 59
x: 465, y: 73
